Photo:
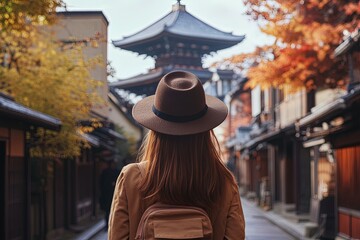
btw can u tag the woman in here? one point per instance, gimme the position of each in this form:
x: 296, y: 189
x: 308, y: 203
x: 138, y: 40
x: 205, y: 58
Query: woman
x: 179, y: 161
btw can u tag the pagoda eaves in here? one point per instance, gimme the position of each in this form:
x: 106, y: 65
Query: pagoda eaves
x: 147, y: 83
x: 178, y: 41
x: 178, y: 24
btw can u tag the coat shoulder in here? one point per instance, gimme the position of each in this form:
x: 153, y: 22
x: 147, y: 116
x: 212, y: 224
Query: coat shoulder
x: 133, y: 167
x: 132, y: 175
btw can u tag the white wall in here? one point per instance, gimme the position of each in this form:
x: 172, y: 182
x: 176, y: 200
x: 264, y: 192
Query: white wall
x: 256, y: 101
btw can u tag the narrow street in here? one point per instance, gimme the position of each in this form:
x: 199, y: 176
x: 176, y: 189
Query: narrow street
x: 257, y: 226
x: 102, y: 235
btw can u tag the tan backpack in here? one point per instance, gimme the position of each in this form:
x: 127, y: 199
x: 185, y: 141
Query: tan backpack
x: 164, y: 221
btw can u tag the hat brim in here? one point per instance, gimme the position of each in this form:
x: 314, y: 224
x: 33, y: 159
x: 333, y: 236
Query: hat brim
x: 215, y: 115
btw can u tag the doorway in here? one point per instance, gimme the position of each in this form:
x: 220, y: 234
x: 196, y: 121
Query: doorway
x: 2, y: 188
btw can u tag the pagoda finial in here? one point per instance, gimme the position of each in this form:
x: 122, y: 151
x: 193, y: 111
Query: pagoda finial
x: 178, y: 6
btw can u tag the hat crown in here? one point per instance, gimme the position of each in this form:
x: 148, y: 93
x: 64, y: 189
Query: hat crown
x: 180, y: 94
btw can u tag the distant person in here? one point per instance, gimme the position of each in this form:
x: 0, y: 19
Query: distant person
x: 180, y: 168
x: 107, y: 185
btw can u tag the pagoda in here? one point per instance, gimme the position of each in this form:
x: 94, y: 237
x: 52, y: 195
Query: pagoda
x: 178, y: 41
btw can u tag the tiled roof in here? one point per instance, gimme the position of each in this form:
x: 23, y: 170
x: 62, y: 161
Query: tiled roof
x: 329, y: 110
x: 179, y: 23
x: 349, y: 43
x: 15, y: 110
x: 156, y: 75
x: 83, y: 13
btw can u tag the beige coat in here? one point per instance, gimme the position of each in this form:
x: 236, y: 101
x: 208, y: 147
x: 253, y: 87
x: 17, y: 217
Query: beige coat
x: 128, y: 207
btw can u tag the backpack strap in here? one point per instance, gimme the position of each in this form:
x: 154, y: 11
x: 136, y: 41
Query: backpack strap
x: 142, y: 168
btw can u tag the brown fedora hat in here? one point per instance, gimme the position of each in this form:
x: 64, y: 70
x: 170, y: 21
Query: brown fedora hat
x: 180, y: 106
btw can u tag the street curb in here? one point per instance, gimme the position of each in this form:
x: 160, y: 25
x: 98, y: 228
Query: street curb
x: 96, y: 228
x: 285, y: 228
x: 276, y: 222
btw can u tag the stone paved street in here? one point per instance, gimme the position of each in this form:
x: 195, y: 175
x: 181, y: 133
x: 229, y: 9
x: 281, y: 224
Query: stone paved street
x: 100, y: 236
x: 257, y: 226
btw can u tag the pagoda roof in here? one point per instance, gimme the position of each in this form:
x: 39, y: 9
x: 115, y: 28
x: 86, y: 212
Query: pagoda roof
x: 135, y: 84
x: 155, y: 76
x: 139, y: 80
x: 180, y: 23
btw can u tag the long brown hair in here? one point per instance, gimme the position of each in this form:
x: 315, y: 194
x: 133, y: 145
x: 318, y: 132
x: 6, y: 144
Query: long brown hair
x: 183, y: 170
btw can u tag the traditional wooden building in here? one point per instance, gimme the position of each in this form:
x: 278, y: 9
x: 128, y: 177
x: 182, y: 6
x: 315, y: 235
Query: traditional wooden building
x: 333, y: 130
x: 280, y: 168
x: 301, y: 156
x: 66, y: 191
x: 118, y: 113
x: 15, y: 166
x: 238, y: 129
x: 177, y: 41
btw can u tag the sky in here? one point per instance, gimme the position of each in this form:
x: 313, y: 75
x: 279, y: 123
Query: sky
x: 127, y: 17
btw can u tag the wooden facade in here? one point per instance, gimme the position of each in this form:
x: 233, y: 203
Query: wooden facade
x: 299, y: 178
x: 310, y: 144
x: 64, y: 193
x: 49, y: 196
x: 285, y: 158
x: 65, y: 196
x: 348, y: 180
x: 14, y: 181
x: 15, y: 166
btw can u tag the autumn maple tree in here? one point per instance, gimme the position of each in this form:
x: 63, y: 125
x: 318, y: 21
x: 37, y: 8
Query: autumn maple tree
x: 46, y: 75
x: 306, y: 34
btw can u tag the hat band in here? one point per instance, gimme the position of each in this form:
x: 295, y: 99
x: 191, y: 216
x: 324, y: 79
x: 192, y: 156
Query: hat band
x: 172, y: 118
